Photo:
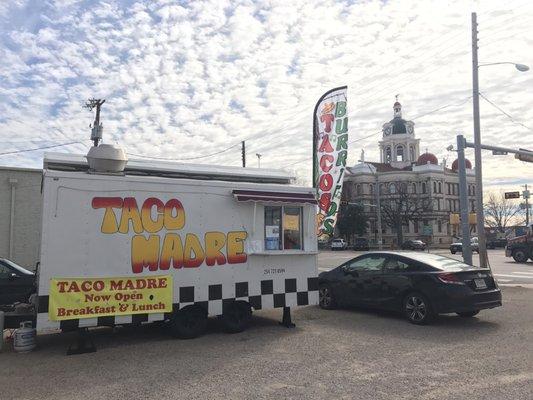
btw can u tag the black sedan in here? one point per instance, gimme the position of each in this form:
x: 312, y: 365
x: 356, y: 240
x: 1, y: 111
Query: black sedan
x: 420, y: 285
x: 16, y: 283
x: 413, y: 245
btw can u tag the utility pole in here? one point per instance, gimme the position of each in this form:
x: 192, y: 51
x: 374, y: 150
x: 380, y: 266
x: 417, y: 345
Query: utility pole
x: 463, y: 201
x: 525, y: 194
x: 243, y: 151
x: 96, y: 132
x: 480, y: 219
x: 258, y: 160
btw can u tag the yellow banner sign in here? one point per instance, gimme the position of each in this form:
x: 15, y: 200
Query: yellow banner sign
x: 73, y: 298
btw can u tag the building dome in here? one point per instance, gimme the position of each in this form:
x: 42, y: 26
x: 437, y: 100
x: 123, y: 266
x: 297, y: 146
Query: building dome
x: 427, y: 158
x: 455, y: 164
x: 398, y: 126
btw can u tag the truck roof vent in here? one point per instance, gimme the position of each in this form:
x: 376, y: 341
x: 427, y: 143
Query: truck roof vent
x: 107, y: 158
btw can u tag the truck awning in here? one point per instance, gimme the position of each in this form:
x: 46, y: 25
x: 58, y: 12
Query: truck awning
x: 275, y: 197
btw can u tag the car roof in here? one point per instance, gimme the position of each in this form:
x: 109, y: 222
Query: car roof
x: 426, y: 258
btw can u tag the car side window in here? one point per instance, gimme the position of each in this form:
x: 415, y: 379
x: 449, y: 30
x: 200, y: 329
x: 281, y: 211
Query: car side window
x: 5, y: 272
x: 370, y: 263
x: 394, y: 265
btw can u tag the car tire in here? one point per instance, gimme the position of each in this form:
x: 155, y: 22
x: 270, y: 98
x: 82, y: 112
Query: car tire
x: 326, y: 300
x: 520, y: 256
x: 188, y: 323
x: 468, y: 314
x: 236, y: 317
x: 417, y: 309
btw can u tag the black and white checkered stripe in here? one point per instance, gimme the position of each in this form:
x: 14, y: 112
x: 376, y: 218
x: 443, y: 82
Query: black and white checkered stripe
x: 264, y: 294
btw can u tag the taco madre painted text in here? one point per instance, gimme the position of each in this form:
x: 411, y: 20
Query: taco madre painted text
x: 179, y: 251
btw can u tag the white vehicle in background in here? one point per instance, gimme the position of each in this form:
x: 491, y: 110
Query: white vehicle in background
x: 338, y: 244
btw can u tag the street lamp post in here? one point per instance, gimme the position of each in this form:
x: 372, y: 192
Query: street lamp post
x: 480, y: 220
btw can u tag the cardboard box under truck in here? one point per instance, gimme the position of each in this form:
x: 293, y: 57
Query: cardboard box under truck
x: 175, y: 242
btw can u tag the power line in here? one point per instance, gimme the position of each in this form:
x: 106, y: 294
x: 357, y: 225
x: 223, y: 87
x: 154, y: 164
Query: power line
x: 505, y: 113
x: 37, y: 148
x: 189, y: 158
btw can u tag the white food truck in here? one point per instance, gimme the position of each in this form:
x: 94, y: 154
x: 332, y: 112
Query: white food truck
x: 158, y: 241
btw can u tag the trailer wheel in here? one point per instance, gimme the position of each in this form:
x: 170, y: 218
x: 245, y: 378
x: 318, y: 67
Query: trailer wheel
x: 188, y: 323
x: 520, y: 255
x: 237, y: 316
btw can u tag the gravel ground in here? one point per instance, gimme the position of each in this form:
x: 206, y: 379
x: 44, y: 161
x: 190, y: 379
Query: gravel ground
x: 341, y: 354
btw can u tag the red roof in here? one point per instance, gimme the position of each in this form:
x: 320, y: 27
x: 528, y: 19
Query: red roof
x: 427, y: 158
x: 455, y: 164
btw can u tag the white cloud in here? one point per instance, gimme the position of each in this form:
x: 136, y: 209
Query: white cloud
x: 186, y: 80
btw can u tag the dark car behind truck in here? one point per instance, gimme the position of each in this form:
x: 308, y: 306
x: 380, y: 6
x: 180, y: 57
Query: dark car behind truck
x: 521, y: 247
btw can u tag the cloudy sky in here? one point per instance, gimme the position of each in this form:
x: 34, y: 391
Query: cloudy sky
x: 188, y: 79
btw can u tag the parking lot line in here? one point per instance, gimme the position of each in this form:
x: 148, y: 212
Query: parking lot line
x: 522, y: 272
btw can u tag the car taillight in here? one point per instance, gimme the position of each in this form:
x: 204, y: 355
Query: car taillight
x: 449, y: 278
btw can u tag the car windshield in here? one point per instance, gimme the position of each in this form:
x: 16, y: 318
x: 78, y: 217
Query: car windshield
x: 337, y: 240
x: 441, y: 262
x: 17, y: 267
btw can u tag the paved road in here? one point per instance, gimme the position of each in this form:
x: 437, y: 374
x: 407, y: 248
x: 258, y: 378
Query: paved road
x: 339, y: 354
x: 506, y: 271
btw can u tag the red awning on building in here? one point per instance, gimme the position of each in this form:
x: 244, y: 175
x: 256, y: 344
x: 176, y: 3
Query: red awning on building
x: 274, y: 197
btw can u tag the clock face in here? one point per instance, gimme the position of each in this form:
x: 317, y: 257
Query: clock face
x: 410, y: 129
x: 387, y: 130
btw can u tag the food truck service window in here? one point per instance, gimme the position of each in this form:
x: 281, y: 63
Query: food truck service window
x: 283, y: 228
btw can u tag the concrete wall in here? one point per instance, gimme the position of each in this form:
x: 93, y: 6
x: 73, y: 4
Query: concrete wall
x: 26, y: 228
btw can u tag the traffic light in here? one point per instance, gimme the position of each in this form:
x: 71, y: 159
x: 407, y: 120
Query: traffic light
x: 524, y: 157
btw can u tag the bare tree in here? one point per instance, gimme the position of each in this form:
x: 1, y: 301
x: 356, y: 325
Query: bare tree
x: 401, y: 206
x: 501, y: 212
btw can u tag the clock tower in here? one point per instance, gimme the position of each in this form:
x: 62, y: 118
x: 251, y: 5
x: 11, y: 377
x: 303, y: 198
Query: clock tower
x: 399, y: 147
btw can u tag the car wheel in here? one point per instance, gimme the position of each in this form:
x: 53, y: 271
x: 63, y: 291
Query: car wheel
x: 188, y: 323
x: 519, y: 256
x: 325, y: 298
x: 468, y: 314
x: 236, y: 317
x: 417, y: 309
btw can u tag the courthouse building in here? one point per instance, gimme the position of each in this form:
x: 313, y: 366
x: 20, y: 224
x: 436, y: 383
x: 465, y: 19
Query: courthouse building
x: 401, y: 163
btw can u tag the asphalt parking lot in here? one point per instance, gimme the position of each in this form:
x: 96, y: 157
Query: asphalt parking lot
x: 340, y: 354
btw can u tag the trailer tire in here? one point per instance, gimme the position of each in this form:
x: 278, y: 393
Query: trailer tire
x: 188, y: 323
x: 236, y: 317
x: 520, y: 255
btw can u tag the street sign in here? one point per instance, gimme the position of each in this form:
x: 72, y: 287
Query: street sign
x: 499, y: 153
x: 512, y: 195
x: 525, y: 193
x: 427, y: 230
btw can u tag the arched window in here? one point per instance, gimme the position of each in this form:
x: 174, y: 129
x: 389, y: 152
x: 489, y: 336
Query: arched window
x: 414, y: 187
x: 424, y: 187
x: 381, y: 188
x: 392, y: 188
x: 371, y: 188
x: 412, y: 153
x: 388, y: 155
x: 440, y: 187
x: 434, y: 187
x: 399, y: 153
x: 358, y: 190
